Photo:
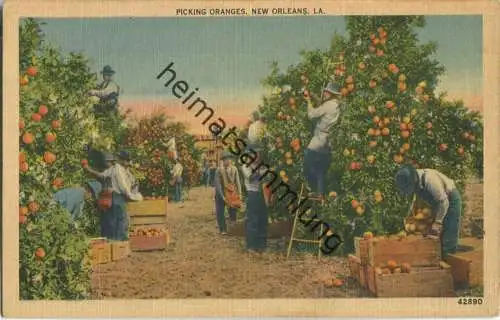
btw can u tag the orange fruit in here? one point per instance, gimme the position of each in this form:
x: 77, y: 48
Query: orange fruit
x: 405, y: 134
x: 372, y: 83
x: 377, y: 132
x: 40, y: 253
x: 33, y: 206
x: 389, y: 104
x: 354, y: 204
x: 49, y: 157
x: 28, y: 138
x: 371, y: 109
x: 344, y: 91
x: 406, y: 146
x: 373, y: 144
x: 56, y: 124
x: 385, y: 131
x: 23, y: 81
x: 21, y: 124
x: 391, y: 264
x: 367, y: 235
x: 43, y: 110
x: 50, y: 137
x: 379, y: 52
x: 387, y: 121
x: 36, y: 117
x: 22, y: 156
x: 371, y: 132
x: 361, y: 66
x: 23, y: 167
x: 23, y: 211
x: 376, y: 119
x: 338, y: 282
x: 32, y: 71
x: 360, y: 210
x: 22, y: 219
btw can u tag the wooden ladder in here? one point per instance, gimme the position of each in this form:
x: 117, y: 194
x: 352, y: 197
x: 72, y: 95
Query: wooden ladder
x: 293, y: 238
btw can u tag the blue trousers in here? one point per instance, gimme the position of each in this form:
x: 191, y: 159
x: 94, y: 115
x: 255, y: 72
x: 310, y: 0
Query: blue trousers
x: 256, y: 221
x: 114, y: 221
x: 451, y: 224
x: 315, y: 168
x: 178, y: 192
x: 220, y: 207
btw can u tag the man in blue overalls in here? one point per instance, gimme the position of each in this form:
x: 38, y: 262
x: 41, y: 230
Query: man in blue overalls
x: 256, y: 209
x: 441, y: 194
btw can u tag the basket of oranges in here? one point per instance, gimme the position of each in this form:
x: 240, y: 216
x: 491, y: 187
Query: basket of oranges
x: 420, y: 220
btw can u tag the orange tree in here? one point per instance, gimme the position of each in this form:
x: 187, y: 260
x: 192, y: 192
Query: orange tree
x: 390, y: 116
x: 54, y: 127
x: 147, y: 141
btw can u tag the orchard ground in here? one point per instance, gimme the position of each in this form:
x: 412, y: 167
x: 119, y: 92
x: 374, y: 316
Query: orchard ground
x: 200, y: 263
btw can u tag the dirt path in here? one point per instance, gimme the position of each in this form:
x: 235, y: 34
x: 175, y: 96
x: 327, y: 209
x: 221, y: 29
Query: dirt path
x: 200, y: 263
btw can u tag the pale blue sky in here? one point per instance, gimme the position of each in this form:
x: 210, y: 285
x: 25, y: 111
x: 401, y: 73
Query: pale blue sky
x: 227, y: 57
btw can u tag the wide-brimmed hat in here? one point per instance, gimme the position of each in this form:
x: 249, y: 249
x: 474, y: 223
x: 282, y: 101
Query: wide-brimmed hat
x: 124, y: 155
x: 226, y: 155
x: 96, y: 187
x: 406, y: 179
x: 107, y: 70
x: 332, y: 88
x: 109, y: 157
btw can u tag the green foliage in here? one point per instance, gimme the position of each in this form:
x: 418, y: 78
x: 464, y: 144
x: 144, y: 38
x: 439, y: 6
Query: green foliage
x: 380, y: 60
x: 56, y: 124
x: 62, y: 273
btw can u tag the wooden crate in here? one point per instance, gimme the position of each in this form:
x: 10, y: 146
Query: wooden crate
x: 415, y: 250
x: 147, y: 213
x: 357, y: 270
x: 361, y: 247
x: 100, y: 251
x: 423, y: 281
x: 119, y: 249
x: 149, y: 243
x: 467, y: 268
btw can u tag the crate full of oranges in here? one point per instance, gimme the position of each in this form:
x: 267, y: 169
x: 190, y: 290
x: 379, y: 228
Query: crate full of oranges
x: 420, y: 221
x: 148, y: 239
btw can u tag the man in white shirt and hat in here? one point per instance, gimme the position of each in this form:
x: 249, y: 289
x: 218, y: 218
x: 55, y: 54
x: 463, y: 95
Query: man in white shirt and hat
x: 107, y: 92
x: 317, y: 155
x: 114, y: 221
x: 440, y: 192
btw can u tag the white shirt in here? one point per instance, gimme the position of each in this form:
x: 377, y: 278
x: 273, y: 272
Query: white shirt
x: 439, y: 186
x: 177, y: 170
x: 252, y: 179
x: 119, y: 180
x: 107, y: 89
x: 256, y: 131
x: 329, y: 113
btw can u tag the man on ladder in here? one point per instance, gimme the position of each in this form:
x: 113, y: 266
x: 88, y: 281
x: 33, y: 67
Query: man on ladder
x: 317, y: 155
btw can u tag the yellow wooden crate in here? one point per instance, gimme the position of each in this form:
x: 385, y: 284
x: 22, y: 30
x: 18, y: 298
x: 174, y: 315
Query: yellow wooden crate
x: 119, y: 250
x: 147, y: 208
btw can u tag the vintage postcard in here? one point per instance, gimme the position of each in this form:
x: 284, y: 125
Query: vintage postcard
x: 250, y: 158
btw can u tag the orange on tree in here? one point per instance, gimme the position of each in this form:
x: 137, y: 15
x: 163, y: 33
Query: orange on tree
x: 36, y: 117
x: 43, y: 110
x: 40, y: 253
x: 21, y: 124
x: 50, y: 137
x: 56, y: 124
x: 366, y: 63
x: 31, y: 71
